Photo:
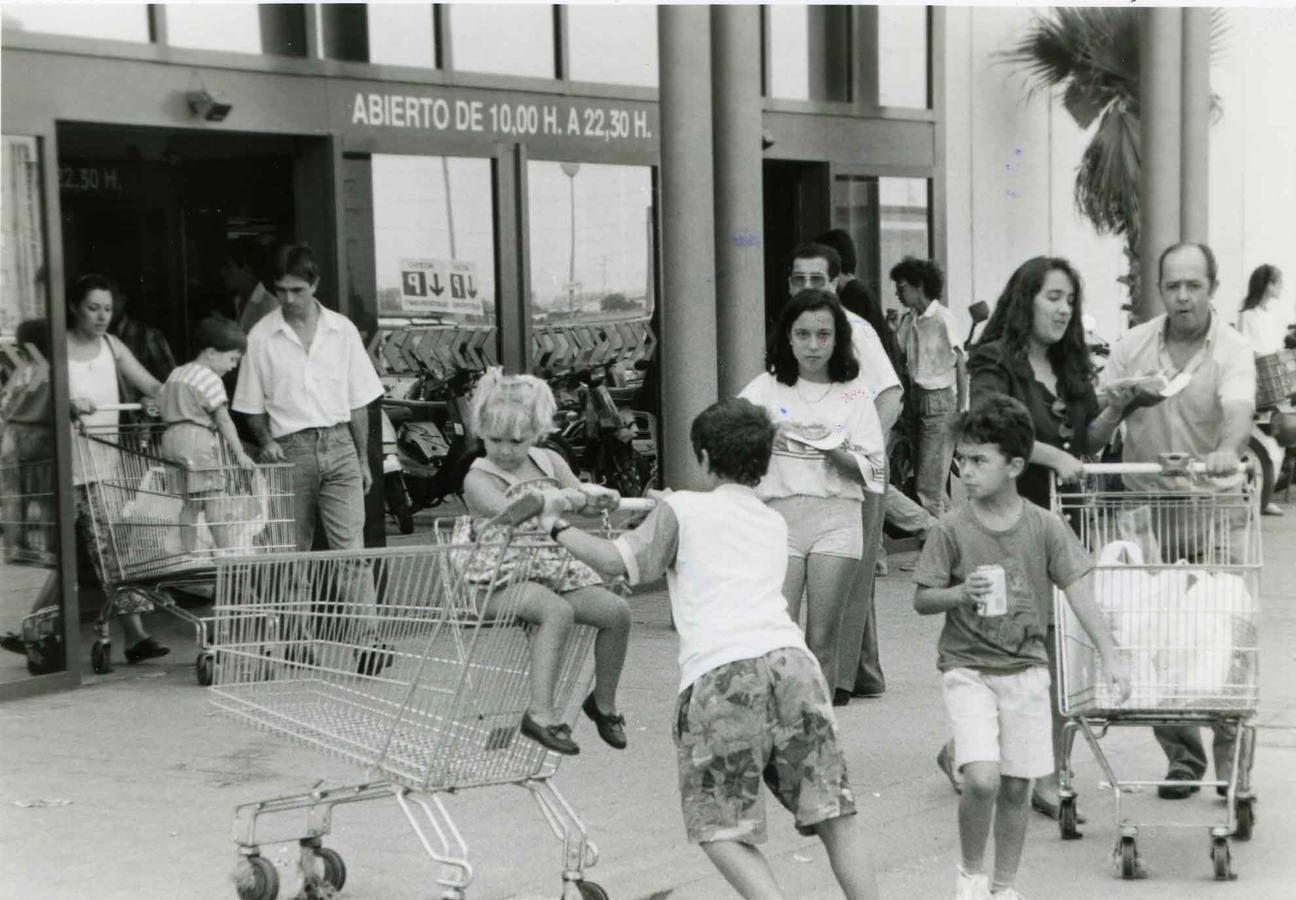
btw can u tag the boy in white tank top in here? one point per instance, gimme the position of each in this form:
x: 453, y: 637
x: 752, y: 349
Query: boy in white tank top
x: 745, y: 671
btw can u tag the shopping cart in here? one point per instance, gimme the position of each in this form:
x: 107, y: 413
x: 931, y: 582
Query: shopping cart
x: 141, y: 542
x: 442, y: 714
x: 1178, y: 580
x: 30, y: 541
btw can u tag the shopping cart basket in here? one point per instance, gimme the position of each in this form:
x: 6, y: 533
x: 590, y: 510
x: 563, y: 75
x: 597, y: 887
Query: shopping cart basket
x: 30, y: 540
x: 140, y: 541
x: 442, y: 714
x: 1178, y: 580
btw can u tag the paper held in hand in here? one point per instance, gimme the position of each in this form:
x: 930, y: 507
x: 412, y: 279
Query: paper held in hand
x: 820, y: 437
x: 1156, y: 383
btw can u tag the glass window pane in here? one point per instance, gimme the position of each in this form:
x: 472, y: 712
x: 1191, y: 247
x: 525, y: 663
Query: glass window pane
x: 789, y: 52
x: 401, y: 34
x: 902, y: 56
x: 115, y: 21
x: 503, y: 38
x: 235, y: 27
x: 30, y: 599
x: 902, y: 217
x: 590, y: 232
x: 430, y: 212
x: 613, y: 44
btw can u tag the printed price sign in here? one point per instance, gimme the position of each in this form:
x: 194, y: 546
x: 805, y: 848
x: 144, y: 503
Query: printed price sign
x: 439, y: 287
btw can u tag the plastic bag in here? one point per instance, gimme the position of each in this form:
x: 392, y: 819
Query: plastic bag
x: 1129, y: 595
x: 152, y: 504
x: 1211, y: 661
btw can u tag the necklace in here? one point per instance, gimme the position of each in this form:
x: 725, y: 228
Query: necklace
x: 826, y: 391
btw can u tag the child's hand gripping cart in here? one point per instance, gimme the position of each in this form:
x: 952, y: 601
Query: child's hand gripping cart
x: 1178, y: 580
x: 156, y: 525
x: 391, y: 659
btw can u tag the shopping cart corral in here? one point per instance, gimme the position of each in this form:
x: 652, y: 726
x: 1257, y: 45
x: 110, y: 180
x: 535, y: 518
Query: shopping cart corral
x: 443, y: 714
x: 157, y: 526
x: 1178, y: 580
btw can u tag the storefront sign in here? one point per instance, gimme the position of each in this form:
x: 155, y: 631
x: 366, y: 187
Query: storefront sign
x: 506, y: 115
x: 437, y: 287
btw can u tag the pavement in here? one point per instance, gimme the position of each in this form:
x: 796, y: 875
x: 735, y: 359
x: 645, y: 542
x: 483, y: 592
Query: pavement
x: 125, y: 788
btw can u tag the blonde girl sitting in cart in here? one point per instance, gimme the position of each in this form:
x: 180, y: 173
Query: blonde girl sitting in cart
x: 512, y: 414
x: 200, y: 433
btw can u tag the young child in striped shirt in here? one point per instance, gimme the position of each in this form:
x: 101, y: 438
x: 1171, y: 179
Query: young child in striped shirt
x: 199, y: 431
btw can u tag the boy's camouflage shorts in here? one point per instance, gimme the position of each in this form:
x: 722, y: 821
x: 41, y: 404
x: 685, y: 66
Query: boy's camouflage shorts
x: 767, y: 717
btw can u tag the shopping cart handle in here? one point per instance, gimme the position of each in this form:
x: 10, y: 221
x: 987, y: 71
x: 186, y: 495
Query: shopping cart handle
x: 1169, y: 464
x: 119, y: 407
x: 528, y: 506
x: 636, y: 504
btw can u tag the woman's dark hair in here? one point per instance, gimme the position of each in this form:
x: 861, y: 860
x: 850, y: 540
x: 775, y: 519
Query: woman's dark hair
x: 1261, y: 278
x: 81, y: 289
x: 840, y: 241
x: 779, y: 359
x: 923, y: 273
x: 738, y: 438
x: 220, y: 335
x: 297, y: 260
x: 1013, y: 320
x: 1000, y: 420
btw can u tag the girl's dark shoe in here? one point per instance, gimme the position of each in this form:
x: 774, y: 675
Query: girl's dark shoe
x: 841, y: 697
x: 611, y: 726
x: 555, y: 737
x: 374, y: 660
x: 145, y: 649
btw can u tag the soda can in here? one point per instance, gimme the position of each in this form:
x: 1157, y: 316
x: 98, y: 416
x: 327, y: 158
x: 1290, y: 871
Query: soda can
x: 994, y: 603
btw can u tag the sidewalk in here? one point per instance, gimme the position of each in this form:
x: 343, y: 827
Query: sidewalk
x: 150, y: 776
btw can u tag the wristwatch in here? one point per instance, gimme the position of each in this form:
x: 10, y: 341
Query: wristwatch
x: 559, y: 526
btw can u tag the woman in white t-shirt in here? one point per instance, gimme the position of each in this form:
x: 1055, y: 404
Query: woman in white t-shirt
x: 1260, y: 321
x: 98, y: 364
x: 829, y: 450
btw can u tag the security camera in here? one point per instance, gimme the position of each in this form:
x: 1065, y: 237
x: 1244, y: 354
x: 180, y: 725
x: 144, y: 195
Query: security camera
x: 201, y: 103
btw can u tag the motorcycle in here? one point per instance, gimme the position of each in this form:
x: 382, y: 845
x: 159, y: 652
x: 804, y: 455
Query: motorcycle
x: 612, y: 447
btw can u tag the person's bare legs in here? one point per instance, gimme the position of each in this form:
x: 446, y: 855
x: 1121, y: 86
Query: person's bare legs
x: 745, y: 868
x: 1011, y: 811
x: 133, y: 628
x: 553, y: 617
x: 188, y: 521
x: 794, y: 586
x: 610, y: 614
x: 976, y: 811
x: 828, y: 587
x: 848, y: 855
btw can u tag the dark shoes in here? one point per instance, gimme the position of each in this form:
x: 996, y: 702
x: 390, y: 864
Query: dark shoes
x: 1050, y: 809
x: 1178, y: 791
x: 375, y: 659
x: 841, y: 697
x: 145, y: 649
x: 554, y: 737
x: 611, y: 726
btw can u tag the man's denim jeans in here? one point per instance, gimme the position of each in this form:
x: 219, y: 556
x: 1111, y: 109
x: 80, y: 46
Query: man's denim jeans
x: 937, y: 412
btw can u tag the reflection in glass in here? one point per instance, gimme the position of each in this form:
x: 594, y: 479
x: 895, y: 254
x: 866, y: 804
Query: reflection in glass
x: 114, y: 21
x: 429, y: 210
x: 590, y: 231
x: 613, y: 44
x: 235, y: 27
x: 902, y: 56
x: 788, y: 58
x: 503, y: 38
x: 887, y: 219
x: 401, y: 34
x: 31, y: 626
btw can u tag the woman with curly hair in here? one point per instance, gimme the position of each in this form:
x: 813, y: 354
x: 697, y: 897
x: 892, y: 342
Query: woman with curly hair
x: 829, y: 450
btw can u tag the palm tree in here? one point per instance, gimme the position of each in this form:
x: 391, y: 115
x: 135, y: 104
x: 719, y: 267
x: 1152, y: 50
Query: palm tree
x: 1092, y: 54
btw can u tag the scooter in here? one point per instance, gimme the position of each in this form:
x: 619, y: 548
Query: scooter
x: 613, y: 447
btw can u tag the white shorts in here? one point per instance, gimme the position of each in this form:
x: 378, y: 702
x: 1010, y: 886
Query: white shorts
x: 1001, y: 719
x: 831, y: 526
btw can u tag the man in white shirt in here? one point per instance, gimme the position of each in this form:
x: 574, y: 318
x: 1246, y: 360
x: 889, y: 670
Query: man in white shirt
x: 859, y: 668
x: 305, y: 384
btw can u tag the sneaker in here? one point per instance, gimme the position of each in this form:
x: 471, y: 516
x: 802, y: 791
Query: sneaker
x: 611, y: 726
x: 145, y: 649
x: 1008, y: 893
x: 946, y: 765
x: 971, y: 887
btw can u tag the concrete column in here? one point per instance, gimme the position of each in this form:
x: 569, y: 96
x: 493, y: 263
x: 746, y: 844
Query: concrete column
x: 739, y: 244
x: 688, y: 315
x: 1195, y: 150
x: 1160, y: 102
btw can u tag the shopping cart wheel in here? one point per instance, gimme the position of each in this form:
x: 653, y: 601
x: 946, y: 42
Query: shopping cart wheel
x: 101, y: 657
x: 1245, y: 818
x: 1067, y: 819
x: 1129, y: 858
x: 1223, y: 859
x: 334, y: 869
x: 591, y: 891
x: 205, y: 668
x: 257, y: 879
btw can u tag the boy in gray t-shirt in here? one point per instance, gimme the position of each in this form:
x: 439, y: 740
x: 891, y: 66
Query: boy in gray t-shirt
x: 994, y: 668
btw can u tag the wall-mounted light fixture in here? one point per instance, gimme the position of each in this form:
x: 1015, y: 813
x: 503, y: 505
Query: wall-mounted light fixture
x: 202, y: 103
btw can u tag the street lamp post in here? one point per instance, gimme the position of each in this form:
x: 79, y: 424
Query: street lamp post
x: 570, y: 169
